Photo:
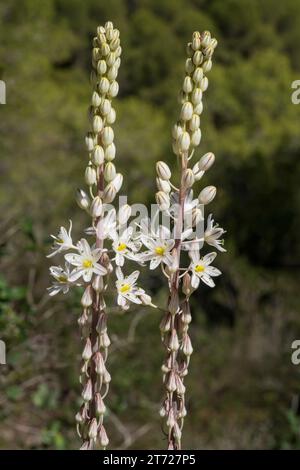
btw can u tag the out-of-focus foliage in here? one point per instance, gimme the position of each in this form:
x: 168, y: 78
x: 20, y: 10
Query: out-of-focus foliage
x: 243, y: 390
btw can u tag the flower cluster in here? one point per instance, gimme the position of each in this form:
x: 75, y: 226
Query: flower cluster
x: 186, y: 237
x: 92, y: 264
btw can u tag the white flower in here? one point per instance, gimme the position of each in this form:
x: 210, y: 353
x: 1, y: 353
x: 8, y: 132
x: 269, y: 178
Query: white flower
x: 127, y: 289
x: 62, y: 279
x: 213, y: 233
x: 124, y: 247
x: 189, y: 203
x: 106, y: 227
x: 159, y: 244
x: 85, y: 262
x: 201, y: 269
x: 63, y: 241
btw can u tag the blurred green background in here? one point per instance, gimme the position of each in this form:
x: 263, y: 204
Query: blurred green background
x: 243, y: 391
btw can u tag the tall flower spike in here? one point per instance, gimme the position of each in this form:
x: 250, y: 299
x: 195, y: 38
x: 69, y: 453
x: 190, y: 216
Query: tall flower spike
x: 164, y: 247
x: 90, y: 266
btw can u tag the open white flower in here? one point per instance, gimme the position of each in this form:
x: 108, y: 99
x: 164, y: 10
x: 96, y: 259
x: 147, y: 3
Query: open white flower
x: 213, y: 233
x: 62, y: 242
x: 85, y: 262
x: 106, y: 227
x: 62, y: 281
x: 159, y: 251
x: 201, y: 269
x: 124, y: 246
x: 127, y: 289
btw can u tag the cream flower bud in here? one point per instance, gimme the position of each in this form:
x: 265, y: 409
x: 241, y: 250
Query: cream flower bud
x: 90, y: 176
x: 107, y: 136
x: 112, y: 73
x: 163, y: 185
x: 87, y: 351
x: 118, y: 181
x: 100, y: 408
x: 187, y: 85
x: 104, y: 340
x: 108, y: 25
x: 189, y: 49
x: 187, y: 347
x: 197, y: 96
x: 196, y: 42
x: 104, y: 441
x: 197, y: 58
x: 184, y: 142
x: 213, y: 43
x: 194, y: 123
x: 109, y: 172
x: 207, y: 194
x: 207, y: 65
x: 87, y: 391
x: 118, y: 52
x: 106, y: 377
x: 105, y: 107
x: 198, y: 108
x: 163, y: 170
x: 82, y: 199
x: 101, y: 67
x: 110, y: 34
x: 162, y: 200
x: 93, y: 429
x: 103, y: 85
x: 189, y: 66
x: 98, y: 284
x: 98, y: 155
x: 111, y: 117
x: 188, y: 178
x: 97, y: 124
x: 205, y: 38
x: 101, y: 37
x: 95, y: 54
x: 96, y: 207
x: 99, y: 363
x: 90, y: 141
x: 206, y: 161
x: 87, y: 298
x: 96, y: 99
x: 113, y: 89
x: 109, y: 193
x: 110, y: 59
x: 115, y: 43
x: 124, y: 214
x: 177, y: 131
x: 186, y: 111
x: 196, y: 138
x: 198, y: 75
x: 105, y: 50
x: 204, y: 84
x: 110, y: 152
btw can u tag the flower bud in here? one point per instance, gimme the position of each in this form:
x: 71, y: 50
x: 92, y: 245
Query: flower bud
x: 99, y: 363
x: 93, y: 429
x: 188, y: 178
x: 111, y: 58
x: 187, y: 85
x: 189, y: 66
x: 163, y: 185
x: 162, y: 200
x: 171, y: 419
x: 173, y: 341
x: 206, y: 161
x: 146, y: 299
x: 105, y: 107
x: 103, y: 86
x: 177, y: 432
x: 101, y: 67
x: 207, y: 194
x: 186, y: 346
x: 87, y: 391
x: 115, y: 43
x: 108, y: 25
x: 205, y: 38
x: 196, y: 43
x: 197, y: 96
x: 87, y: 299
x: 189, y: 50
x: 98, y: 284
x: 184, y: 142
x: 96, y: 99
x: 197, y: 58
x: 82, y: 199
x: 109, y: 193
x: 87, y: 351
x: 107, y: 136
x: 186, y: 284
x: 105, y: 50
x: 112, y: 73
x: 117, y: 182
x: 198, y: 108
x: 194, y: 123
x: 96, y: 207
x: 165, y: 324
x: 198, y: 75
x: 104, y: 340
x: 109, y: 172
x: 113, y: 89
x: 111, y: 117
x: 180, y: 388
x: 104, y: 441
x: 177, y: 131
x: 90, y: 176
x: 98, y: 155
x: 196, y: 138
x: 204, y: 84
x: 106, y: 377
x: 186, y: 111
x: 124, y: 214
x: 97, y: 124
x: 110, y: 152
x: 90, y: 141
x: 110, y: 34
x: 99, y: 405
x: 207, y: 65
x: 171, y: 382
x: 163, y: 170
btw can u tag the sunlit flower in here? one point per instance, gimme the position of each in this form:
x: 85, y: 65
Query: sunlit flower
x: 62, y: 242
x: 85, y: 262
x: 124, y: 246
x: 159, y: 248
x: 201, y: 269
x: 213, y: 233
x: 127, y: 289
x: 62, y: 281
